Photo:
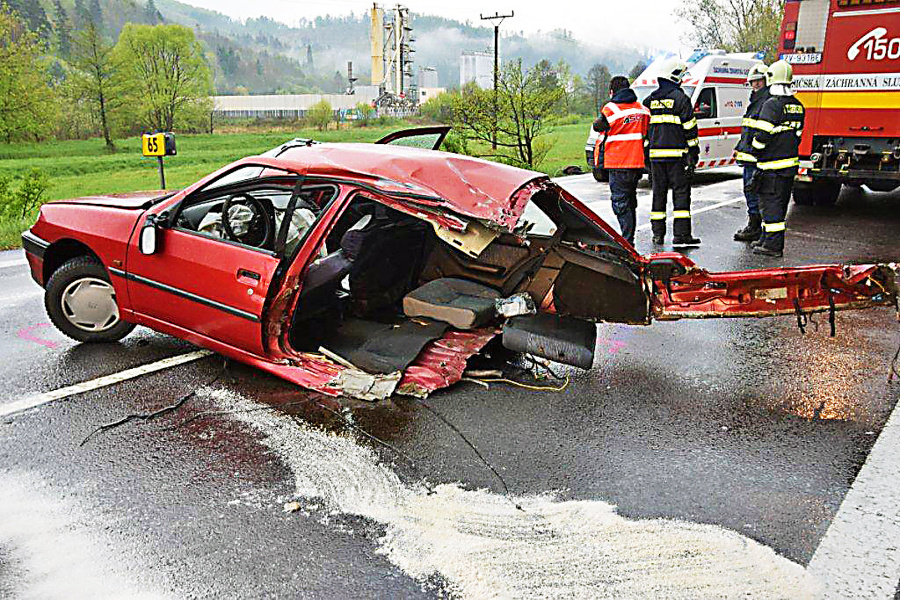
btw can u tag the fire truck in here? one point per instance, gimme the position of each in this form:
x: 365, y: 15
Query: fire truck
x: 846, y: 60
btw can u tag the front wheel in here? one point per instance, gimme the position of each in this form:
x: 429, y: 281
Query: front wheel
x: 81, y: 302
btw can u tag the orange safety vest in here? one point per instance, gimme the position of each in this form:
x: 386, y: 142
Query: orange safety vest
x: 624, y: 142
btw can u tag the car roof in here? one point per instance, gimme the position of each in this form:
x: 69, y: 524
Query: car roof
x: 467, y: 185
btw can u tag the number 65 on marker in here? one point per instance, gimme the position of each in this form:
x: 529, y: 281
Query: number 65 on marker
x: 158, y: 144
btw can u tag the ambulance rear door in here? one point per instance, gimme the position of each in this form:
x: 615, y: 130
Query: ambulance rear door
x: 709, y: 126
x: 733, y: 101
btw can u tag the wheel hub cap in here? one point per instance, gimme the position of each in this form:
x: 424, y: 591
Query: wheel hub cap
x: 90, y: 304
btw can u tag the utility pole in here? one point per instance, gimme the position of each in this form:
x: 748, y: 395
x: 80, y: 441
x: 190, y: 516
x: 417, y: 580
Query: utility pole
x: 496, y: 20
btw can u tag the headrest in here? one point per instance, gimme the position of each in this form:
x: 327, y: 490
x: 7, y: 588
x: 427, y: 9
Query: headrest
x: 351, y: 241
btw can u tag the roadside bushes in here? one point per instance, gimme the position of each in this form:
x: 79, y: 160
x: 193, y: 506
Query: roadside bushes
x: 18, y: 202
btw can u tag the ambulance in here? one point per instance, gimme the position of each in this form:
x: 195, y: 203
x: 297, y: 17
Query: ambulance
x: 846, y: 60
x: 716, y: 83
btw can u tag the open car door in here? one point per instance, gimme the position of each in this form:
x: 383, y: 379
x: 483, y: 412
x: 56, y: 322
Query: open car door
x: 429, y: 138
x: 683, y: 290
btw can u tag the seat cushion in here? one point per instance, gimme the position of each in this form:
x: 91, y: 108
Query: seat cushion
x: 463, y: 304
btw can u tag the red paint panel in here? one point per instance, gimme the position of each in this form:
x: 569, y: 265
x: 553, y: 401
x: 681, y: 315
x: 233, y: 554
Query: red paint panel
x: 443, y: 361
x: 714, y: 131
x: 125, y: 200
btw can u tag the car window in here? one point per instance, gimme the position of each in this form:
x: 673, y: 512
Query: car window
x: 245, y: 173
x: 705, y: 107
x: 534, y: 221
x: 259, y: 216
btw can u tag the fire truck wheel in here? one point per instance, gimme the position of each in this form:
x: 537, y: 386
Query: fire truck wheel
x: 823, y: 192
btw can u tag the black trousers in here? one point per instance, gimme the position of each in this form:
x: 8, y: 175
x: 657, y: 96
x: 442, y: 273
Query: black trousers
x: 623, y: 191
x: 670, y: 175
x: 774, y: 196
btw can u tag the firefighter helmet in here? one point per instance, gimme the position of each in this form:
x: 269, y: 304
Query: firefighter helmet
x: 757, y: 71
x: 780, y: 72
x: 672, y: 70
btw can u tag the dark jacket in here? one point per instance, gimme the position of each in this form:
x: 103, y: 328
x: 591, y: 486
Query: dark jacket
x: 626, y: 96
x: 673, y: 128
x: 750, y: 126
x: 777, y: 140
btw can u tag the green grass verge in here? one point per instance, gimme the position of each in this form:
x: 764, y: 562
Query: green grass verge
x: 84, y: 167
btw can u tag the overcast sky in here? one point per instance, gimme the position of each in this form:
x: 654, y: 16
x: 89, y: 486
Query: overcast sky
x: 635, y: 23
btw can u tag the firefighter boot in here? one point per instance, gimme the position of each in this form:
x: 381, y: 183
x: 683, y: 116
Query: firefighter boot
x: 751, y: 232
x: 685, y: 240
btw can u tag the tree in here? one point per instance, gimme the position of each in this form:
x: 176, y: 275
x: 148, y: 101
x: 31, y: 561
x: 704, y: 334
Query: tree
x: 32, y: 15
x: 524, y: 102
x: 734, y: 25
x: 95, y: 14
x: 63, y: 30
x: 320, y: 115
x: 636, y: 70
x: 152, y: 14
x: 598, y: 78
x: 27, y: 101
x: 93, y: 58
x: 164, y: 77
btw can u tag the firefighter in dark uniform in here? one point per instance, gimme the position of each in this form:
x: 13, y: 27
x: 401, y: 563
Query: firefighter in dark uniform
x: 743, y: 153
x: 775, y: 146
x: 674, y: 152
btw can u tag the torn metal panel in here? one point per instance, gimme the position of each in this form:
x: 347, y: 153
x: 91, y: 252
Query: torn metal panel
x: 772, y: 292
x: 443, y: 361
x: 472, y: 241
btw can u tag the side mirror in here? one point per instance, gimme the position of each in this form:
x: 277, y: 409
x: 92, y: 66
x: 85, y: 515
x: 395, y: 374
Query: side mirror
x: 148, y: 242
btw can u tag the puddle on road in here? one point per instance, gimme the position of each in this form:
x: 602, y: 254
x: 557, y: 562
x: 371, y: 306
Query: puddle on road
x: 482, y: 546
x: 54, y: 550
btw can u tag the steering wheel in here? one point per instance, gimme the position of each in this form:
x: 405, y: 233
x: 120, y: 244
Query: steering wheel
x: 257, y: 231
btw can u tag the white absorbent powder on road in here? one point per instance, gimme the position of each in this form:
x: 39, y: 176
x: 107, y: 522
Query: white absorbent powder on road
x: 483, y: 547
x: 52, y: 549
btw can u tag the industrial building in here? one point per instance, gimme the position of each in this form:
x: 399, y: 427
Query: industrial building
x: 477, y: 67
x: 288, y: 106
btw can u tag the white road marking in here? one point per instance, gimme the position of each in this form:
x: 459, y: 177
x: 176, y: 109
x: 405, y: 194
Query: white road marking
x: 79, y: 388
x: 18, y: 262
x: 697, y: 211
x: 859, y: 556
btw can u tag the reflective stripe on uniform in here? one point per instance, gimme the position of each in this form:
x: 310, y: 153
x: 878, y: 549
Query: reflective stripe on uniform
x: 765, y: 125
x: 758, y: 145
x: 690, y: 124
x: 774, y: 227
x: 744, y: 157
x: 622, y: 137
x: 693, y: 142
x: 655, y: 119
x: 785, y: 163
x: 664, y: 153
x: 750, y: 123
x: 621, y: 114
x: 658, y: 216
x: 681, y: 214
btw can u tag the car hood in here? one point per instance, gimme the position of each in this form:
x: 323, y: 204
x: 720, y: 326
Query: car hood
x: 468, y: 186
x: 127, y: 200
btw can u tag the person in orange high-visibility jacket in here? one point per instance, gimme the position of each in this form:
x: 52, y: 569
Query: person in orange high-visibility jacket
x: 625, y: 122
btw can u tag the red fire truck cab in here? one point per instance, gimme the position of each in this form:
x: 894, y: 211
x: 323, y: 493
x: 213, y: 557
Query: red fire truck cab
x: 846, y: 60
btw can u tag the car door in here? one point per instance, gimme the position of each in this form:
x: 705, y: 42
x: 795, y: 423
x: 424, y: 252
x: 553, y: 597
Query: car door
x: 733, y: 101
x: 199, y: 285
x: 708, y: 126
x: 418, y: 137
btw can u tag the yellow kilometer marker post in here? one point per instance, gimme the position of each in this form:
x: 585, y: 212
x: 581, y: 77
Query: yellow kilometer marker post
x: 159, y: 145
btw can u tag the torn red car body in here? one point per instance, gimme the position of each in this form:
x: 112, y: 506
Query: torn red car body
x: 367, y: 270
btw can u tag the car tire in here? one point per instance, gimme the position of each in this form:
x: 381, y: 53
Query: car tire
x: 823, y: 192
x: 81, y: 302
x: 600, y: 174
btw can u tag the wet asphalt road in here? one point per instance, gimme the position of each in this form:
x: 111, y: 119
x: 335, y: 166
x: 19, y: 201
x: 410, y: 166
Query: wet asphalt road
x: 745, y: 424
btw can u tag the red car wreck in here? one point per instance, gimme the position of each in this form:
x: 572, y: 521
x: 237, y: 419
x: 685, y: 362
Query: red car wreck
x: 371, y: 269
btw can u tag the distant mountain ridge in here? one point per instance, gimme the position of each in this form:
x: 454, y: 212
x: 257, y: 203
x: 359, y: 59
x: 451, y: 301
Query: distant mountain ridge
x: 262, y: 55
